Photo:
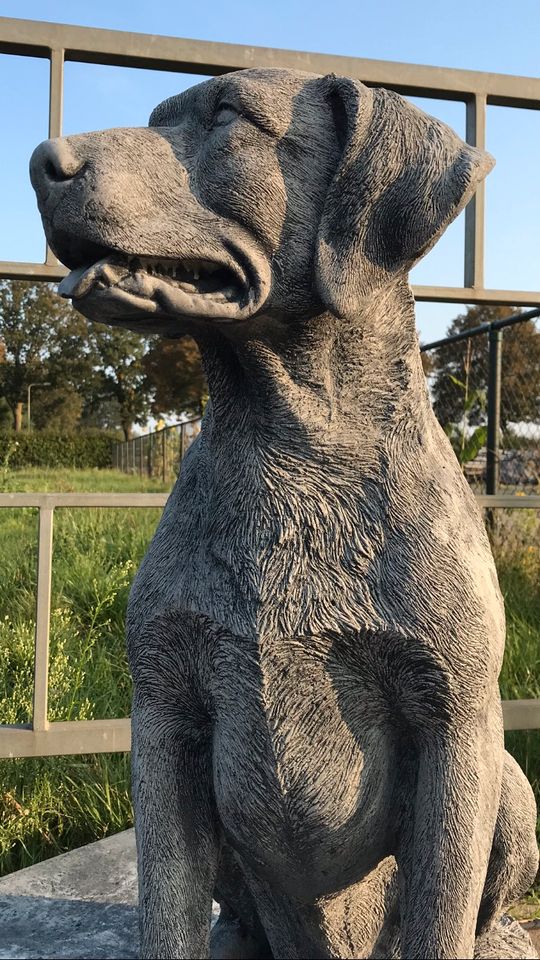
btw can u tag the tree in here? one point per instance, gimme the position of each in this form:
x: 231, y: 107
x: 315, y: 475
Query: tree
x: 175, y: 375
x: 459, y: 371
x: 57, y: 409
x: 43, y: 340
x: 119, y: 380
x: 93, y: 372
x: 27, y: 316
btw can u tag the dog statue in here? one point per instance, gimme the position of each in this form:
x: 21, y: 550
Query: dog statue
x: 316, y: 631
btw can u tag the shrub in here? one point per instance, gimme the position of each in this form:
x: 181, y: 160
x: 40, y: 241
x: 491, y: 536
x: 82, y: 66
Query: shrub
x: 78, y: 450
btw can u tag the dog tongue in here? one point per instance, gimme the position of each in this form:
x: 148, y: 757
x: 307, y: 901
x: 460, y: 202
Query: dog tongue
x: 73, y: 285
x: 79, y: 281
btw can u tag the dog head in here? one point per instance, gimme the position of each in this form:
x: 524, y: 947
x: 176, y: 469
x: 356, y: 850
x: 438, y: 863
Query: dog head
x: 254, y: 194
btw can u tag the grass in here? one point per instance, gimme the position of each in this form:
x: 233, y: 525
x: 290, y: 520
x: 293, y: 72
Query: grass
x: 518, y: 559
x: 55, y: 804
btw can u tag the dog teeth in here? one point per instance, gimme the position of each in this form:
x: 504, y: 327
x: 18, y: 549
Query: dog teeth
x: 187, y: 273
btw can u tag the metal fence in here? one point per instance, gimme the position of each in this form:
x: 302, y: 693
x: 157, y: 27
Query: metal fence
x: 59, y: 43
x: 156, y: 454
x: 42, y: 738
x: 485, y: 387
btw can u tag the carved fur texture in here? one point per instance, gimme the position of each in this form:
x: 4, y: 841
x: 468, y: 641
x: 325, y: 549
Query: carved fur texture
x: 316, y: 631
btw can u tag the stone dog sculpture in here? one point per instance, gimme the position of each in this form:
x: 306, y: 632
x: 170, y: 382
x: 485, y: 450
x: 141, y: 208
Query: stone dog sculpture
x: 316, y: 631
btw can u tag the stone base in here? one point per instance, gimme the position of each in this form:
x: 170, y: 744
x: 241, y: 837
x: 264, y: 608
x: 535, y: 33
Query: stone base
x: 83, y: 905
x: 78, y: 905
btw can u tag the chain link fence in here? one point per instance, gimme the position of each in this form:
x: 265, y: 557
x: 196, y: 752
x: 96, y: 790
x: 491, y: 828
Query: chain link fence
x: 156, y: 454
x: 485, y: 389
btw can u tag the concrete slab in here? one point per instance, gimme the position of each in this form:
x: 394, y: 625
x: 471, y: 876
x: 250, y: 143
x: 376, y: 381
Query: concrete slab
x: 82, y: 906
x: 78, y: 906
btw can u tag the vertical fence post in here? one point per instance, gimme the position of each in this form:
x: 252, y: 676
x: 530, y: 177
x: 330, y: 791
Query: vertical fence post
x: 494, y: 410
x: 43, y: 614
x: 149, y: 455
x: 493, y: 421
x: 164, y: 455
x: 474, y: 213
x: 182, y: 442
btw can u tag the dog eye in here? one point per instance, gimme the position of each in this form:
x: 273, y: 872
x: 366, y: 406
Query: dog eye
x: 224, y: 114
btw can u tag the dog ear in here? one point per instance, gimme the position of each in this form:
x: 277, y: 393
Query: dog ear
x: 402, y: 177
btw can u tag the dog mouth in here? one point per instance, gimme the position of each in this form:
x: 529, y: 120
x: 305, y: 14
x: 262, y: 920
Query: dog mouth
x: 196, y: 286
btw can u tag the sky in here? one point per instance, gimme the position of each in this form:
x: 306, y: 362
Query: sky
x: 494, y: 36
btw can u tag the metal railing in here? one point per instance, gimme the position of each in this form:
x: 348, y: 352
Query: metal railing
x: 156, y: 454
x: 40, y: 737
x: 60, y: 43
x: 488, y: 368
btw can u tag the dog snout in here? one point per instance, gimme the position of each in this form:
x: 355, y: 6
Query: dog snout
x: 54, y: 164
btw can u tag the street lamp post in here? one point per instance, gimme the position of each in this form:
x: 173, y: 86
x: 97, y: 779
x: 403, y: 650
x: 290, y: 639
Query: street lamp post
x: 30, y: 385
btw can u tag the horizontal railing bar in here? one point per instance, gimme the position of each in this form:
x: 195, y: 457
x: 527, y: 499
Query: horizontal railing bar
x: 14, y: 500
x: 119, y: 48
x: 512, y: 298
x: 18, y: 270
x: 154, y: 433
x: 83, y: 499
x: 510, y: 501
x: 114, y: 736
x: 521, y: 714
x: 483, y: 328
x: 70, y: 737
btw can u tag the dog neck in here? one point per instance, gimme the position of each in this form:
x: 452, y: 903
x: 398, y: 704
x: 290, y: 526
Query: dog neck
x: 301, y: 380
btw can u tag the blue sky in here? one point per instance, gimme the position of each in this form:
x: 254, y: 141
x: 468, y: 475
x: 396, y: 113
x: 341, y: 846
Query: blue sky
x: 472, y: 34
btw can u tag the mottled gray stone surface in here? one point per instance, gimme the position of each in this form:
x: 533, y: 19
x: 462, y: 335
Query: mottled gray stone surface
x: 79, y: 905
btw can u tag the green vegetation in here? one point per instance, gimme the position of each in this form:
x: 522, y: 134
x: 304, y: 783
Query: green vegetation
x: 75, y: 450
x: 75, y: 375
x: 54, y: 804
x: 517, y: 551
x: 518, y: 563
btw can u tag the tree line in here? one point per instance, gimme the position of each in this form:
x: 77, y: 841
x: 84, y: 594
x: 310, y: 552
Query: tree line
x: 107, y: 378
x: 86, y: 375
x: 458, y: 372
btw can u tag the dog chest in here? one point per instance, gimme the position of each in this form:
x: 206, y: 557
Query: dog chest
x: 303, y: 783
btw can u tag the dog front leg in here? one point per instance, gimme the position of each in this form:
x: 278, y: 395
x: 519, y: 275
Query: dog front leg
x: 446, y: 841
x: 177, y: 839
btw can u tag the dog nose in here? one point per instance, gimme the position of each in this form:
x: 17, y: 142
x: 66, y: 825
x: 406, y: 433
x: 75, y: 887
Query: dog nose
x: 54, y: 162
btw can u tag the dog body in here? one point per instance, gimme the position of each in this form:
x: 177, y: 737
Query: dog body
x: 316, y: 631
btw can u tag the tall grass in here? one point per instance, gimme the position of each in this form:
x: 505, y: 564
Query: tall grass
x: 517, y: 552
x: 53, y: 804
